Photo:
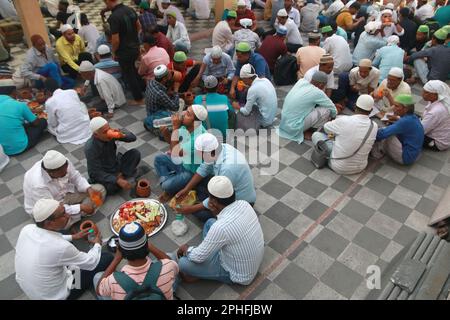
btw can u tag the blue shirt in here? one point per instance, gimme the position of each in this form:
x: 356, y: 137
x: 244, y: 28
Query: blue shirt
x: 259, y: 63
x: 225, y: 69
x: 366, y: 47
x: 387, y: 58
x: 262, y: 94
x: 232, y: 164
x: 298, y: 104
x: 110, y: 66
x: 13, y: 115
x: 217, y: 106
x: 409, y: 132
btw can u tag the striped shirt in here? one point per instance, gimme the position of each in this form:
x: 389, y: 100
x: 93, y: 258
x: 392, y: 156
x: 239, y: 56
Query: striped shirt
x: 110, y: 288
x: 238, y: 236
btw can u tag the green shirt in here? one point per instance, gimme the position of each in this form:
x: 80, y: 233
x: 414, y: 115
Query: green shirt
x: 191, y: 160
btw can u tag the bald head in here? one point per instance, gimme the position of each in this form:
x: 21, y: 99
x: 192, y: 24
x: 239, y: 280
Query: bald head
x: 38, y: 42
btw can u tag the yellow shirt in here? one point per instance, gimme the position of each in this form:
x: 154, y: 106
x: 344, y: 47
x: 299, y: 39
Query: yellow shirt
x: 344, y: 20
x: 68, y: 52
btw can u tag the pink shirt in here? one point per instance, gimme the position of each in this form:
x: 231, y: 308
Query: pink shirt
x: 110, y: 288
x: 153, y: 58
x: 308, y: 57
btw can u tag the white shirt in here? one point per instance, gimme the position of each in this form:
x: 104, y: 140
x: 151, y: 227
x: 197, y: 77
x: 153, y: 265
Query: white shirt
x: 37, y: 184
x: 238, y: 237
x: 391, y: 30
x: 90, y: 34
x: 109, y: 89
x: 179, y: 34
x: 202, y: 9
x: 436, y: 124
x: 68, y: 118
x: 52, y: 6
x: 222, y: 36
x: 294, y: 15
x: 349, y: 132
x: 247, y: 35
x: 334, y: 8
x: 338, y: 47
x: 7, y: 9
x: 330, y: 77
x: 293, y: 34
x: 42, y: 261
x: 424, y: 12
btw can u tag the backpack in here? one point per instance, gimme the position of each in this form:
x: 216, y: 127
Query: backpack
x: 285, y: 71
x: 148, y: 290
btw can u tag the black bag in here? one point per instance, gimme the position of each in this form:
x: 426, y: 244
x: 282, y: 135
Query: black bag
x: 319, y: 157
x: 285, y: 72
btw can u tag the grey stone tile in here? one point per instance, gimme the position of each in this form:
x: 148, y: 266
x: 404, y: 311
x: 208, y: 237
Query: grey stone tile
x: 13, y: 291
x: 14, y: 218
x: 342, y: 184
x: 395, y: 210
x: 282, y: 241
x: 426, y: 206
x: 314, y: 261
x: 7, y: 265
x: 391, y: 251
x: 281, y: 214
x: 290, y: 176
x: 264, y: 201
x: 297, y: 148
x: 126, y: 121
x: 276, y: 188
x: 344, y: 226
x: 430, y: 162
x: 303, y: 165
x: 380, y: 185
x: 405, y: 236
x: 370, y: 198
x: 414, y: 184
x: 384, y: 225
x: 371, y: 241
x: 442, y: 181
x: 12, y: 172
x: 201, y: 290
x: 270, y: 228
x: 311, y: 187
x: 418, y: 222
x: 330, y: 243
x: 315, y: 210
x: 323, y: 292
x: 295, y: 281
x: 4, y: 191
x: 300, y: 224
x: 342, y: 279
x: 358, y: 211
x: 274, y: 292
x: 405, y: 196
x: 357, y: 258
x: 297, y: 200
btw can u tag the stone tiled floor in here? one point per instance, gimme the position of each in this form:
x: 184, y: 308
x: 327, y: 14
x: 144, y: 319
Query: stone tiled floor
x: 321, y: 229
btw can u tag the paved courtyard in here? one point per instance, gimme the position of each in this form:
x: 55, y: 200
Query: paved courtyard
x: 322, y: 230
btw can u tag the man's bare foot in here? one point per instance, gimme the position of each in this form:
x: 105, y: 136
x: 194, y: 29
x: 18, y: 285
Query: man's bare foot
x: 308, y: 135
x: 164, y: 197
x: 136, y: 102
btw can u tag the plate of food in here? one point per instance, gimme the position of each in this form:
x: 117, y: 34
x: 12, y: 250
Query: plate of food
x: 149, y: 213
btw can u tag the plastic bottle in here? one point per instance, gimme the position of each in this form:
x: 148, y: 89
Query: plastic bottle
x: 163, y: 122
x: 91, y: 235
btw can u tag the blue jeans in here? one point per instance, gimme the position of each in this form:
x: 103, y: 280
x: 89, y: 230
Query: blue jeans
x: 343, y: 91
x: 51, y: 70
x: 172, y: 177
x: 210, y: 269
x: 156, y: 115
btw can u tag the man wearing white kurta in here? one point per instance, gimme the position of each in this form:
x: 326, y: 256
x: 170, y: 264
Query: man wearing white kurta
x: 68, y: 117
x: 108, y: 87
x: 55, y: 177
x: 345, y: 134
x: 340, y: 50
x: 44, y: 257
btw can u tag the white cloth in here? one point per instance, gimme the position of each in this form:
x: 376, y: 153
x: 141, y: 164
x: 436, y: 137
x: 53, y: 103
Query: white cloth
x: 436, y: 124
x: 247, y: 35
x: 90, y: 35
x: 442, y: 89
x: 371, y: 80
x: 179, y: 34
x: 330, y: 77
x: 424, y: 12
x: 42, y: 261
x: 349, y: 131
x: 177, y: 11
x: 238, y: 237
x: 202, y: 9
x: 68, y: 118
x: 294, y: 15
x: 392, y: 30
x: 52, y: 6
x: 222, y: 36
x: 37, y: 184
x: 338, y: 47
x: 316, y: 118
x: 293, y: 34
x: 334, y: 8
x: 109, y: 89
x: 384, y: 104
x: 7, y: 9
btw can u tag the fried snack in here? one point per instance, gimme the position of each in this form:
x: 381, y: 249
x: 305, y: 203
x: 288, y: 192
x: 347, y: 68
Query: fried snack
x: 189, y: 200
